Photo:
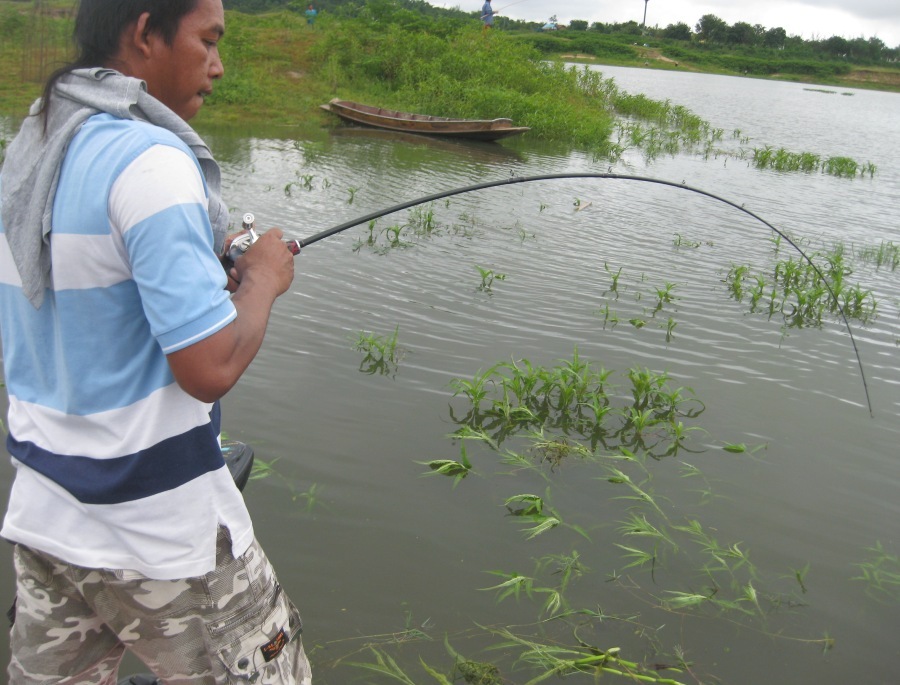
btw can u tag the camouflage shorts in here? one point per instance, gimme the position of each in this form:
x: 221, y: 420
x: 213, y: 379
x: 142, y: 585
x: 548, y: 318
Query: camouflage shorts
x: 234, y: 625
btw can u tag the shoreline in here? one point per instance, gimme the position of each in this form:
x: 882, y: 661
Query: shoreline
x: 863, y: 78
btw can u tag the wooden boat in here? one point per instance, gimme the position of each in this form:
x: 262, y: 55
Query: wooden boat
x: 425, y: 124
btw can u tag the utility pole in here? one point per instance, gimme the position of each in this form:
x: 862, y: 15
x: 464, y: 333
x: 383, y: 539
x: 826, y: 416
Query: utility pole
x: 645, y: 14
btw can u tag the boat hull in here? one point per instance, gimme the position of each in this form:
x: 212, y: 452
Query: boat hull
x: 423, y: 124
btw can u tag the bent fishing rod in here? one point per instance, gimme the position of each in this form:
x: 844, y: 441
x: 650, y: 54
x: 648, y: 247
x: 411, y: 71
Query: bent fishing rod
x: 243, y: 242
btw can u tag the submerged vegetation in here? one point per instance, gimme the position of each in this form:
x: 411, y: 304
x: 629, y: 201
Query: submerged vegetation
x: 801, y: 292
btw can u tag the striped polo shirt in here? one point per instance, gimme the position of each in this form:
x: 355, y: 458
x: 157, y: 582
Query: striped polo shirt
x: 116, y: 466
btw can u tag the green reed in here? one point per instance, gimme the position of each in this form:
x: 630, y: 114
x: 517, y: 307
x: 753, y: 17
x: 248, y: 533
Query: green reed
x: 488, y: 276
x: 803, y: 292
x: 886, y: 254
x: 881, y: 574
x: 382, y: 352
x: 781, y: 159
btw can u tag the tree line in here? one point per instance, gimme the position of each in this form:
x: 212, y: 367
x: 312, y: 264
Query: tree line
x: 710, y: 32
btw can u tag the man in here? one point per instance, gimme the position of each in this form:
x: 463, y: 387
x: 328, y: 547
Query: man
x: 119, y: 338
x: 487, y: 15
x: 310, y: 15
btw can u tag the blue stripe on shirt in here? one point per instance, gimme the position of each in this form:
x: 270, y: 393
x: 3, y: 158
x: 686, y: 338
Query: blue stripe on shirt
x: 165, y: 466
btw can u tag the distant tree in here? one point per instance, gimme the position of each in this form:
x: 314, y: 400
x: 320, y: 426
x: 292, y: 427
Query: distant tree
x: 712, y: 29
x: 774, y: 38
x: 836, y: 46
x: 741, y: 33
x: 578, y: 25
x: 599, y: 27
x: 679, y: 31
x: 630, y: 27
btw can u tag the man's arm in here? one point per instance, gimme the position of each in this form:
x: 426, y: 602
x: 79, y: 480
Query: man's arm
x: 209, y: 368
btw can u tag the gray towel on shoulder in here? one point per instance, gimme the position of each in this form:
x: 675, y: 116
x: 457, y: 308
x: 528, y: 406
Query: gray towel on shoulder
x: 30, y: 173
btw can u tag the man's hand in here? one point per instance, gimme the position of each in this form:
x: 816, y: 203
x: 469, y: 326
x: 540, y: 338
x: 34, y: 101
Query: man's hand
x: 268, y: 260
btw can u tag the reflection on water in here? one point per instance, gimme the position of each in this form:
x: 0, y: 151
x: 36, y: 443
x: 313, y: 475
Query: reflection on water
x: 369, y: 547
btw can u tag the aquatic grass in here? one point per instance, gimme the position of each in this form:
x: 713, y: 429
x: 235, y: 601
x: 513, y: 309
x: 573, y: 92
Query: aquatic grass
x: 488, y: 276
x: 780, y: 159
x: 555, y: 661
x: 886, y: 254
x: 450, y: 467
x: 578, y: 397
x: 614, y: 285
x: 680, y: 241
x: 804, y: 293
x: 382, y: 352
x: 881, y: 574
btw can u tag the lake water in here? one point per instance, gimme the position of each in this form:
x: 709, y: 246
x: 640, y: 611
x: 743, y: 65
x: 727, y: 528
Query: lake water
x: 774, y: 537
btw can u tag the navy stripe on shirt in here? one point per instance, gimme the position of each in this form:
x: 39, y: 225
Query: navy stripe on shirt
x: 164, y: 466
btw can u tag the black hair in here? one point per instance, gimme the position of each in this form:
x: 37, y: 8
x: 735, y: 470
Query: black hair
x: 99, y: 25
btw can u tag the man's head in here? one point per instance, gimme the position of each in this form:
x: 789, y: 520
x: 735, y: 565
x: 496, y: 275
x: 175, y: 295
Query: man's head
x: 180, y: 62
x: 170, y: 44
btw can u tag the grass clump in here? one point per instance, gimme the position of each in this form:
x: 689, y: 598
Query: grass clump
x: 802, y: 292
x: 781, y: 159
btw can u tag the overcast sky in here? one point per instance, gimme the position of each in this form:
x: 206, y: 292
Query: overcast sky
x: 805, y: 18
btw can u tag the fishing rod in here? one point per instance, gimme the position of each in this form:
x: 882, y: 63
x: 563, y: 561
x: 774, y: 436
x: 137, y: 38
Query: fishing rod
x: 241, y: 243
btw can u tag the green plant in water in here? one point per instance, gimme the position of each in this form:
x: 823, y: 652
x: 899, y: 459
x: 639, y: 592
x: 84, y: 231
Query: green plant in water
x: 881, y: 574
x: 488, y: 276
x: 555, y: 661
x: 670, y: 329
x: 450, y: 467
x: 614, y: 286
x: 382, y: 353
x: 887, y: 254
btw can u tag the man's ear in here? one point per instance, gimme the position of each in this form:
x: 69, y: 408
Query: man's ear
x: 139, y: 35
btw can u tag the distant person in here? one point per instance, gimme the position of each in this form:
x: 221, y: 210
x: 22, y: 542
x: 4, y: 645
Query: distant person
x: 487, y: 15
x: 310, y: 15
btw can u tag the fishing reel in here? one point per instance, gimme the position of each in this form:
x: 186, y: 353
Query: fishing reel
x: 242, y: 243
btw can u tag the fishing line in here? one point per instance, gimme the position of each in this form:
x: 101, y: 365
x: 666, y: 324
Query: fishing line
x: 614, y: 177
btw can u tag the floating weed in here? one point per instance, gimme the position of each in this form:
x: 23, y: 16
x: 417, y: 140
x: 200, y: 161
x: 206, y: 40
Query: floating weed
x: 802, y: 293
x: 558, y: 661
x: 887, y: 254
x: 266, y: 469
x: 679, y: 242
x: 351, y: 194
x: 385, y: 665
x: 311, y: 497
x: 800, y: 576
x: 881, y: 574
x: 513, y: 585
x: 664, y: 295
x: 383, y: 354
x: 609, y: 316
x: 670, y: 329
x: 579, y: 398
x: 488, y: 276
x: 450, y: 467
x: 614, y: 286
x: 263, y: 469
x: 781, y: 159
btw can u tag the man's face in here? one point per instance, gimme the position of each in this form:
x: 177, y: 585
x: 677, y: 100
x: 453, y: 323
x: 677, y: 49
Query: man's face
x: 181, y: 75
